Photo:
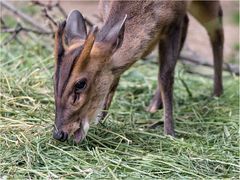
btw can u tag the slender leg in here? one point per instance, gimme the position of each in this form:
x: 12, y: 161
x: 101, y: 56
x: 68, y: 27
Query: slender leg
x: 217, y: 39
x: 169, y: 50
x: 156, y: 102
x: 210, y: 16
x: 216, y: 35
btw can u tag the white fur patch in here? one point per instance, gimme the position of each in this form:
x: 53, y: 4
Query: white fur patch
x: 85, y: 127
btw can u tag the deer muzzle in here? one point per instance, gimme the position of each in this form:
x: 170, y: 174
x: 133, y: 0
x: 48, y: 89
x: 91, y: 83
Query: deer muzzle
x: 60, y: 135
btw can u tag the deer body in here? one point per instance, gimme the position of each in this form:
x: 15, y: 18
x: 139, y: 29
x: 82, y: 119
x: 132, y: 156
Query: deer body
x: 130, y: 31
x: 146, y: 24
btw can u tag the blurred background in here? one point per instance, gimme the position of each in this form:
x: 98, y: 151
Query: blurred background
x: 197, y: 39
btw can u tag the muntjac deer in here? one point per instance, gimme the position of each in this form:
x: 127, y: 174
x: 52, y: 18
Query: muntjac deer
x: 89, y: 65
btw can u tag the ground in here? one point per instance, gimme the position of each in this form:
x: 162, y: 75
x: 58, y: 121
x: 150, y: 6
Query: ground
x: 122, y: 146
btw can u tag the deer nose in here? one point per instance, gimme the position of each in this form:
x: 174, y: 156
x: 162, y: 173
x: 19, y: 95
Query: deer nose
x: 60, y: 135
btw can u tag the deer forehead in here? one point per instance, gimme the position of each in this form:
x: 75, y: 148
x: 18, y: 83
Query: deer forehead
x: 98, y: 49
x: 75, y: 45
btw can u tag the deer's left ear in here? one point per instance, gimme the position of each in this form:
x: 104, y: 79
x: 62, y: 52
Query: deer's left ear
x: 113, y: 35
x: 75, y: 27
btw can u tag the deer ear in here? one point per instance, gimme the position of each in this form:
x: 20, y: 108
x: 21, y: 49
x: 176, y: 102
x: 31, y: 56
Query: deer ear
x: 75, y: 27
x: 113, y: 35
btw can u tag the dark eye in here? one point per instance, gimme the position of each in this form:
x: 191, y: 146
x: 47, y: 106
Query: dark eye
x: 80, y: 85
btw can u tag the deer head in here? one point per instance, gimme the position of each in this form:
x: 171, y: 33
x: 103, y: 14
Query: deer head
x: 83, y: 73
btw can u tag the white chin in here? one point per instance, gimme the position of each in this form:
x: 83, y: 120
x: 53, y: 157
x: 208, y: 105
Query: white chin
x: 81, y: 133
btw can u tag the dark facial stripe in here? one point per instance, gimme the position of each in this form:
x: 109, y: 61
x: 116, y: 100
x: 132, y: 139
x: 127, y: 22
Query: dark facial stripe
x: 57, y: 71
x: 66, y: 68
x: 59, y: 50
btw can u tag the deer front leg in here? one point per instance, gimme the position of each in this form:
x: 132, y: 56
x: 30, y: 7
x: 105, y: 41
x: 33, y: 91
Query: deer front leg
x: 156, y: 102
x: 217, y: 39
x: 169, y: 50
x: 108, y: 100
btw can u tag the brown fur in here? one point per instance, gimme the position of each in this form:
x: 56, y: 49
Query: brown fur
x: 103, y: 59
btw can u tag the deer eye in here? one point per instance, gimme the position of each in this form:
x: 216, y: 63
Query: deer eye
x: 80, y: 85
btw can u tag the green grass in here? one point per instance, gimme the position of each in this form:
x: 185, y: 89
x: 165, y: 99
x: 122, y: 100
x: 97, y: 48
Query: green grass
x: 207, y: 128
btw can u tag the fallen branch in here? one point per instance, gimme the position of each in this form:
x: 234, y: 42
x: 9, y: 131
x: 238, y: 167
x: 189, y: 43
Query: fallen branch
x: 232, y: 68
x: 198, y: 73
x: 192, y: 59
x: 19, y: 28
x: 15, y: 31
x: 23, y: 16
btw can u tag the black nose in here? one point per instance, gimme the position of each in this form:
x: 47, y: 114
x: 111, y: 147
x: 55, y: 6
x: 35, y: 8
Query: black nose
x: 60, y: 135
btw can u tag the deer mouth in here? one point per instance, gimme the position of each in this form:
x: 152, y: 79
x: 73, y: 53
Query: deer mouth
x: 78, y: 135
x: 81, y: 132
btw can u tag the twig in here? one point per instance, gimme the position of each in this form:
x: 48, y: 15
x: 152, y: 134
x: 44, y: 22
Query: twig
x: 3, y: 24
x: 23, y: 16
x: 8, y: 40
x: 12, y: 37
x: 57, y: 5
x: 15, y: 31
x: 39, y: 3
x: 61, y: 9
x: 186, y: 87
x: 49, y: 17
x: 50, y: 6
x: 21, y: 28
